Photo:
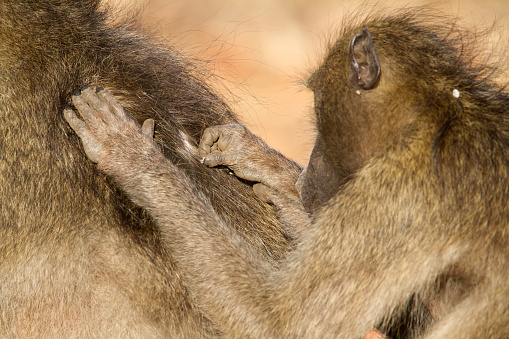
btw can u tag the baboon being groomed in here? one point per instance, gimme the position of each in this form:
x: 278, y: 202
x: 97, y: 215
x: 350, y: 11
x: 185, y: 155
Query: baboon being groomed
x: 77, y: 258
x: 418, y: 138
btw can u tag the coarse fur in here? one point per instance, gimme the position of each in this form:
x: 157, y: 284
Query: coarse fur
x: 78, y: 259
x: 417, y: 225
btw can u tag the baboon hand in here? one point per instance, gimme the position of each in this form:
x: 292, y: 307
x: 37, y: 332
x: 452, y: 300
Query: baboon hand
x: 104, y: 123
x: 236, y: 147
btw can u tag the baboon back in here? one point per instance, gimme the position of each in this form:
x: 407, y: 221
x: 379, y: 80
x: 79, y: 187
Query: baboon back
x: 77, y: 258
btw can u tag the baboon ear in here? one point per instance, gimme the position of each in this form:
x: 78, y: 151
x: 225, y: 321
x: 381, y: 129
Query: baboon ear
x: 364, y: 61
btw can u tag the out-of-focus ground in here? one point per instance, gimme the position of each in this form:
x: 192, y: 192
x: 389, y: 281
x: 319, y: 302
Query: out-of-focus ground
x: 263, y: 49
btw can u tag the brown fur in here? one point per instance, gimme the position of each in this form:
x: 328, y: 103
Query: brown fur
x: 78, y: 259
x: 419, y: 223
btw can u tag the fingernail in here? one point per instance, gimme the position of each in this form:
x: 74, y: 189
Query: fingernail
x: 202, y: 160
x: 98, y: 89
x: 76, y: 93
x: 84, y: 87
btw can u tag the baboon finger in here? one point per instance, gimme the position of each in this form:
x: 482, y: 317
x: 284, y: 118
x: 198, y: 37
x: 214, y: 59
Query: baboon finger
x: 214, y: 159
x: 262, y: 191
x: 113, y: 102
x: 76, y: 124
x: 148, y: 127
x: 82, y: 106
x: 92, y: 99
x: 209, y: 138
x: 87, y: 112
x: 224, y: 141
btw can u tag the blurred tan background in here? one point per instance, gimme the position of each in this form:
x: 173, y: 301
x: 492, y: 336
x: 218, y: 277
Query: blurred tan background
x: 263, y: 49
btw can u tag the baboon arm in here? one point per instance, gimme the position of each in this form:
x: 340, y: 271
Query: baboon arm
x: 250, y: 158
x: 236, y: 286
x: 220, y: 265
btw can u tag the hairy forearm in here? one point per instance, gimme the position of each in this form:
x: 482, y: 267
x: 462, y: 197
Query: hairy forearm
x: 222, y: 269
x: 280, y: 181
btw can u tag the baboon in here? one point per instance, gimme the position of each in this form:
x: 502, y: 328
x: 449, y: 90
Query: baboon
x: 78, y: 258
x: 417, y: 135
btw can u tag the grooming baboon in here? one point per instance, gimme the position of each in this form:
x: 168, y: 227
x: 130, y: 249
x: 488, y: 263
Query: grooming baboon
x: 77, y: 258
x: 417, y: 136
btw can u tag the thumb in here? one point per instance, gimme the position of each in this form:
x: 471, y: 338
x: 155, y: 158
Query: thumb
x: 263, y: 192
x: 148, y: 127
x: 213, y: 159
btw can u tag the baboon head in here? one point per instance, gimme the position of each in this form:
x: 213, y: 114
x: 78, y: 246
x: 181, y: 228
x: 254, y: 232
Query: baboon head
x: 335, y: 91
x: 368, y: 93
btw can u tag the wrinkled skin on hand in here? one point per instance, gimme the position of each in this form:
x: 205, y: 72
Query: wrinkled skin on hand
x: 273, y: 175
x: 251, y: 159
x: 108, y: 132
x: 104, y: 123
